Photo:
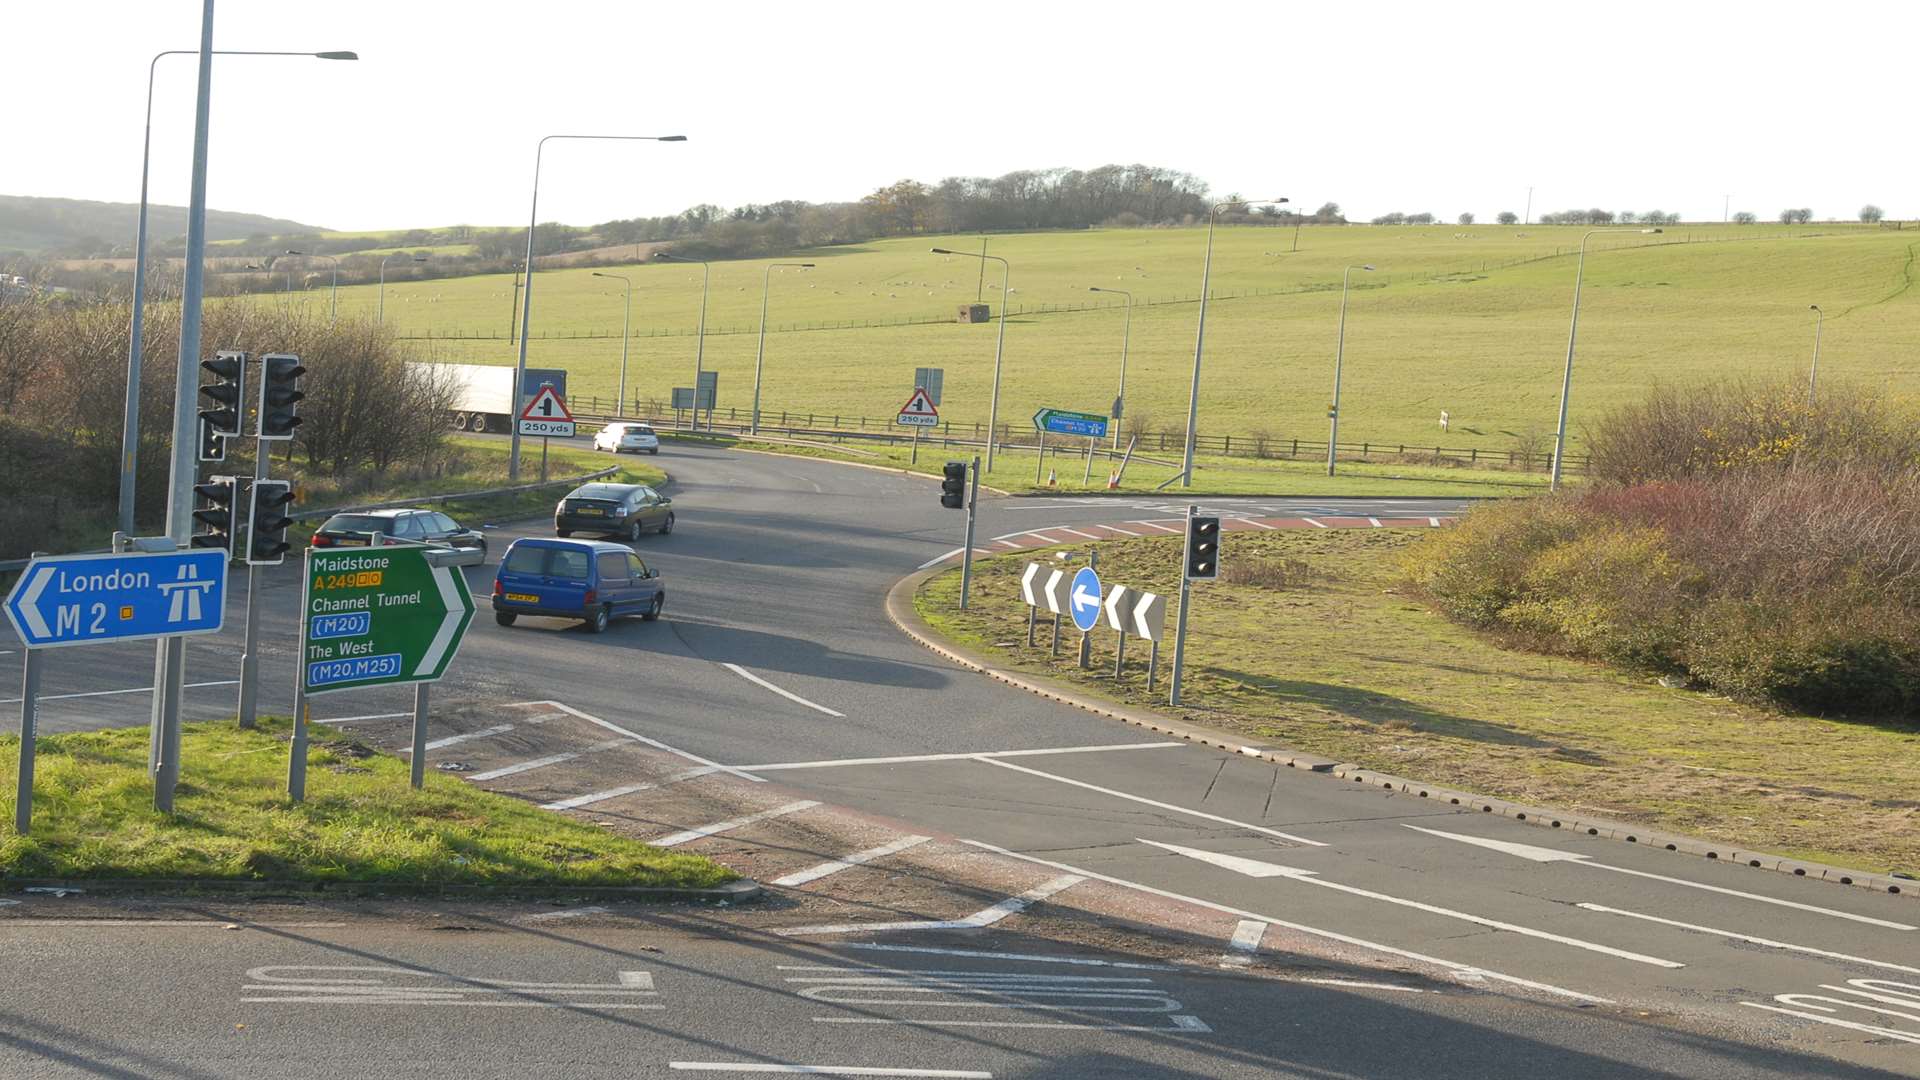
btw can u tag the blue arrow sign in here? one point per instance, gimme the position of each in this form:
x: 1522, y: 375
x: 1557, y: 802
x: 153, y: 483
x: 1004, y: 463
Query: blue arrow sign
x: 87, y: 599
x: 1065, y: 422
x: 1085, y: 598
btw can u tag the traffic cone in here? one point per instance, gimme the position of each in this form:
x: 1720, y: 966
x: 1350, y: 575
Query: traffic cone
x: 1052, y: 481
x: 1113, y: 481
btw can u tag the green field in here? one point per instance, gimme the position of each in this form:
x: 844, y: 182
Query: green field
x: 1472, y: 320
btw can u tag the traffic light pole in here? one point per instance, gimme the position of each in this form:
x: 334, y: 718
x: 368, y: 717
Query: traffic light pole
x: 1180, y: 626
x: 966, y: 553
x: 250, y: 652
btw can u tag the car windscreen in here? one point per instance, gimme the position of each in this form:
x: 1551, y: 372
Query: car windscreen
x: 601, y: 492
x: 358, y: 523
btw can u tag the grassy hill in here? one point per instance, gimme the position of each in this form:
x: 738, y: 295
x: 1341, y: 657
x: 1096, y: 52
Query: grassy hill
x: 83, y: 227
x: 1472, y: 320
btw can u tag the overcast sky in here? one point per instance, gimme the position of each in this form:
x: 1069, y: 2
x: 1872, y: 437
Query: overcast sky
x: 1384, y: 106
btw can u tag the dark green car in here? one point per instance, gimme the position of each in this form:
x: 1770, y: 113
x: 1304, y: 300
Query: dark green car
x: 622, y: 510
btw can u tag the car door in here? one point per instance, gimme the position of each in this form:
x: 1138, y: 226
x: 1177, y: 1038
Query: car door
x: 408, y: 527
x: 644, y: 583
x: 643, y: 507
x: 615, y: 585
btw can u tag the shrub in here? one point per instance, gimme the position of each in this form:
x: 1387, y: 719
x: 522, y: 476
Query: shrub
x: 1270, y: 573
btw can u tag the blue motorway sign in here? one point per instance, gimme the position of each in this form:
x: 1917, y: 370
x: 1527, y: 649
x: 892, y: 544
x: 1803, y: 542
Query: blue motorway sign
x: 1085, y: 598
x: 88, y: 599
x: 1064, y: 422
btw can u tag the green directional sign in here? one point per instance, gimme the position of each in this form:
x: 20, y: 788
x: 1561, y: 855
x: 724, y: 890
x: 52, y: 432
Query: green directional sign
x: 377, y: 615
x: 1067, y: 422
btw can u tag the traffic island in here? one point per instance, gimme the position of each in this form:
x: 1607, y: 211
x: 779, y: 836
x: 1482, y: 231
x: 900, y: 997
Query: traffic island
x: 1309, y: 653
x: 362, y: 828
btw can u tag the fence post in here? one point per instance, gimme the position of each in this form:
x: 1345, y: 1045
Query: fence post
x: 1296, y: 448
x: 1228, y: 450
x: 1365, y: 448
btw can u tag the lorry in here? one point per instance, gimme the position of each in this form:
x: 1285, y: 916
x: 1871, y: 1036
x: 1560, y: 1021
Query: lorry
x: 483, y: 398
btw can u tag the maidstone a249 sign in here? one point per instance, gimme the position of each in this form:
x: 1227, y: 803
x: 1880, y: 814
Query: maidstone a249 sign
x: 378, y: 615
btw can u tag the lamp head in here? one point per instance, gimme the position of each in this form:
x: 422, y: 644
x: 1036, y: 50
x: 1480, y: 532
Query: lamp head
x: 806, y: 266
x: 341, y: 54
x: 290, y: 251
x: 672, y: 138
x: 1815, y: 307
x: 944, y: 251
x: 1369, y: 266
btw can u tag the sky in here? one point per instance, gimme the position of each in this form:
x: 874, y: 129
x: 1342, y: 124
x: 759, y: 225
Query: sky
x: 1379, y: 107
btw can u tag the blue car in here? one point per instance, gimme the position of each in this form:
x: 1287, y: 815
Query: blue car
x: 590, y: 580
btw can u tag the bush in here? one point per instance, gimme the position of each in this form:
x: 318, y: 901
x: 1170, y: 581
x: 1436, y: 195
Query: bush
x: 1270, y: 573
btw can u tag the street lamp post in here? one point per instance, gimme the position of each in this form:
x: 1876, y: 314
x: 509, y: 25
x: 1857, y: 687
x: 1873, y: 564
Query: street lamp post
x: 766, y: 286
x: 1126, y: 333
x: 265, y: 269
x: 1000, y: 347
x: 626, y: 336
x: 130, y: 423
x: 526, y: 294
x: 333, y: 293
x: 1339, y: 357
x: 382, y: 317
x: 1573, y: 329
x: 1813, y: 377
x: 700, y: 335
x: 1200, y: 336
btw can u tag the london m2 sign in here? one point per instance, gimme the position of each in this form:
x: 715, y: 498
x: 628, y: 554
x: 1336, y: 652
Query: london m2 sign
x: 379, y: 615
x: 91, y: 599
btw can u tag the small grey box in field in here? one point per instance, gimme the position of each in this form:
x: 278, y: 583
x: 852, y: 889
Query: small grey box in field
x: 973, y: 313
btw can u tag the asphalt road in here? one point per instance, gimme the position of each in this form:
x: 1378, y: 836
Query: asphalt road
x: 1589, y: 958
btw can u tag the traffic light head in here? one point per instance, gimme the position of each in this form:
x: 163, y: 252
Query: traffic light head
x: 1203, y: 547
x: 279, y: 393
x: 222, y: 390
x: 217, y: 512
x: 267, y: 522
x: 953, y: 485
x: 212, y: 447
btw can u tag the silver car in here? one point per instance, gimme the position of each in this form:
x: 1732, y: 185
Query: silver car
x: 627, y: 438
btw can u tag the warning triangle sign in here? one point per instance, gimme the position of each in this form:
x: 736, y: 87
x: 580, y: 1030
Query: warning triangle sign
x: 546, y: 405
x: 919, y: 404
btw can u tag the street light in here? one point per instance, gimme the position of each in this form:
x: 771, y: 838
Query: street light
x: 526, y: 295
x: 333, y: 293
x: 1200, y: 336
x: 266, y: 269
x: 626, y: 327
x: 1126, y: 332
x: 766, y: 286
x: 700, y: 343
x: 382, y: 317
x: 1000, y: 348
x: 1573, y: 328
x: 1339, y: 356
x: 1819, y: 317
x: 130, y: 429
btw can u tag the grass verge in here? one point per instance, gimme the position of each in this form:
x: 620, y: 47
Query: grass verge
x: 361, y: 822
x: 1319, y: 651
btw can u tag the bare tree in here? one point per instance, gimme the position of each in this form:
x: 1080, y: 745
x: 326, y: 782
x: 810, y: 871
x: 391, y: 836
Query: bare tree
x: 1508, y: 217
x: 1871, y: 213
x: 1466, y: 219
x: 1745, y: 217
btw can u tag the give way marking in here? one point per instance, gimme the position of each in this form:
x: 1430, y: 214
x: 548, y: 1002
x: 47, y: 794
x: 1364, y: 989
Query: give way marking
x: 992, y: 998
x: 316, y: 984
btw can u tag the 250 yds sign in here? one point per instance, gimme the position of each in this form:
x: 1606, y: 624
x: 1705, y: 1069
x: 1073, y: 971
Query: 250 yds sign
x: 373, y: 616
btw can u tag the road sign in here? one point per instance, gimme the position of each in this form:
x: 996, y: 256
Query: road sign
x: 1149, y: 615
x: 929, y: 379
x: 1030, y: 584
x: 1055, y: 592
x: 1086, y: 599
x: 1063, y: 422
x: 547, y: 415
x: 684, y: 398
x: 919, y: 410
x: 1119, y: 608
x: 87, y: 599
x: 377, y: 615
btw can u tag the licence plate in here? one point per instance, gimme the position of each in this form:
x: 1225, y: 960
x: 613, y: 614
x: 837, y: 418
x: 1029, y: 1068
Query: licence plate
x: 350, y: 543
x: 590, y: 512
x: 523, y: 598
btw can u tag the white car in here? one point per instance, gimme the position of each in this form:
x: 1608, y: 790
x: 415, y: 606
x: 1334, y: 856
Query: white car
x: 616, y: 438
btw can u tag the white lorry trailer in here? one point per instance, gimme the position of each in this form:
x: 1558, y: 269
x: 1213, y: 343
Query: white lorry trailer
x: 483, y: 397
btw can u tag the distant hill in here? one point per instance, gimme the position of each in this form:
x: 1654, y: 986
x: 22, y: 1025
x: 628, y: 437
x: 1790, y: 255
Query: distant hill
x: 80, y: 227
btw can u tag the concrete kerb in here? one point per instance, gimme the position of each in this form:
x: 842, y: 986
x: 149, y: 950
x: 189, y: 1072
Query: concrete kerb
x: 850, y: 464
x: 901, y: 611
x: 733, y: 892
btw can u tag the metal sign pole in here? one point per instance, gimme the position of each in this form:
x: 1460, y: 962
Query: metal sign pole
x: 915, y: 459
x: 1087, y: 477
x: 1180, y: 630
x: 419, y: 734
x: 1056, y: 636
x: 1119, y: 655
x: 1040, y: 458
x: 297, y: 761
x: 1033, y: 616
x: 966, y: 553
x: 29, y: 720
x: 1086, y: 636
x: 1153, y: 663
x: 543, y: 459
x: 250, y: 652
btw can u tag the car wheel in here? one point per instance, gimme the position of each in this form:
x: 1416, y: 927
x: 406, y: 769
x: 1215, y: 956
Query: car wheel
x: 655, y: 451
x: 653, y: 609
x: 563, y: 533
x: 601, y: 617
x: 667, y: 525
x: 633, y: 531
x: 504, y: 618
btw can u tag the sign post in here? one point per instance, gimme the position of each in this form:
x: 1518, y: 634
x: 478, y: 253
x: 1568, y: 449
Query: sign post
x: 1086, y: 597
x: 1065, y: 422
x: 546, y: 416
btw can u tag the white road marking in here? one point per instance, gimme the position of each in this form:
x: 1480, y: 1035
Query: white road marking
x: 1315, y: 524
x: 1750, y: 939
x: 570, y: 913
x: 1012, y: 905
x: 1546, y: 854
x: 1004, y: 991
x: 116, y: 693
x: 555, y: 759
x: 1259, y: 869
x: 1183, y: 1024
x: 354, y: 719
x: 1455, y: 966
x: 938, y: 559
x: 1076, y: 532
x: 209, y: 924
x: 858, y: 858
x: 788, y: 694
x: 1375, y: 522
x: 1152, y: 802
x: 351, y: 985
x: 1434, y: 521
x: 1255, y: 524
x: 1118, y: 529
x: 1030, y: 958
x: 1041, y: 536
x: 484, y: 733
x: 1245, y: 942
x: 1905, y: 995
x: 835, y: 763
x: 1007, y: 543
x: 1361, y: 985
x: 687, y: 836
x: 1871, y: 1029
x: 637, y: 737
x: 823, y: 1070
x: 1155, y: 525
x: 613, y: 793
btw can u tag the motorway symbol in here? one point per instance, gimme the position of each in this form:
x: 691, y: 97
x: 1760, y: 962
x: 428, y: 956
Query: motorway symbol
x: 1029, y: 585
x: 919, y: 410
x: 1065, y: 422
x: 547, y: 415
x: 1055, y: 592
x: 379, y: 615
x: 87, y: 599
x: 1086, y: 599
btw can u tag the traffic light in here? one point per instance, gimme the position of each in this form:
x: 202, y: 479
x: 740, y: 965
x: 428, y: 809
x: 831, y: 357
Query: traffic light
x: 953, y: 485
x: 217, y: 512
x: 1203, y: 547
x: 223, y: 381
x: 267, y: 522
x: 212, y: 447
x: 279, y: 391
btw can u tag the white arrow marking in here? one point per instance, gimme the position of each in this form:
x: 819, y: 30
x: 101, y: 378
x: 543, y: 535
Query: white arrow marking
x: 1117, y: 601
x: 1540, y: 854
x: 456, y: 610
x: 29, y: 605
x: 1308, y: 876
x: 1026, y: 583
x: 1083, y: 598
